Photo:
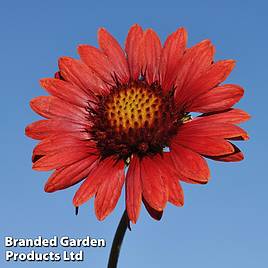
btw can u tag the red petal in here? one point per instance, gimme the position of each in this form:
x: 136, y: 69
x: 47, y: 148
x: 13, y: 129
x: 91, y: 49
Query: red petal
x: 187, y: 180
x: 154, y: 189
x: 98, y: 62
x: 109, y: 191
x: 217, y: 99
x: 206, y: 146
x: 232, y: 116
x: 104, y: 170
x: 115, y: 54
x: 149, y: 55
x: 132, y: 44
x: 171, y: 177
x: 133, y: 190
x: 201, y: 59
x: 53, y: 107
x: 200, y: 127
x: 171, y: 56
x: 175, y: 192
x: 170, y: 168
x: 67, y: 92
x: 78, y: 73
x: 43, y: 128
x: 155, y: 214
x: 61, y: 159
x: 236, y: 156
x: 70, y: 175
x: 61, y: 142
x: 189, y: 163
x: 216, y: 74
x: 195, y: 62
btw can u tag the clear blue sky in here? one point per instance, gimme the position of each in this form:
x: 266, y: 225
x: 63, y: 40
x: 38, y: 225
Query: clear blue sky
x: 223, y: 224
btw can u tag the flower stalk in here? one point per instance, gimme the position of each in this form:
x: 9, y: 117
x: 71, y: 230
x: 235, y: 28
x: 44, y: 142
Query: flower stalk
x: 118, y: 240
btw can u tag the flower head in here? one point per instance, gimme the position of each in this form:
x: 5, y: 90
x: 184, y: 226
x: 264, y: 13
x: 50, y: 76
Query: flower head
x: 118, y: 108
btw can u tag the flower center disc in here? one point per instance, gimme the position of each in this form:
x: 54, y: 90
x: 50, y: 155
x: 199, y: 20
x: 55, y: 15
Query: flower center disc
x: 133, y: 108
x: 135, y: 118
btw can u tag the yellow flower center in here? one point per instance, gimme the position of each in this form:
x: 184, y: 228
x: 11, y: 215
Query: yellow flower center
x: 134, y: 107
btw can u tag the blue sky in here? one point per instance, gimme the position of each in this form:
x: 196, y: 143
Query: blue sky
x: 224, y: 223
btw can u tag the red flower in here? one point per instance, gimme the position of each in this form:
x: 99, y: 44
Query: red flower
x: 116, y: 108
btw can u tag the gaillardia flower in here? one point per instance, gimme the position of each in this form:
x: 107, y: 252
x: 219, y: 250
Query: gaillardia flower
x: 118, y: 108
